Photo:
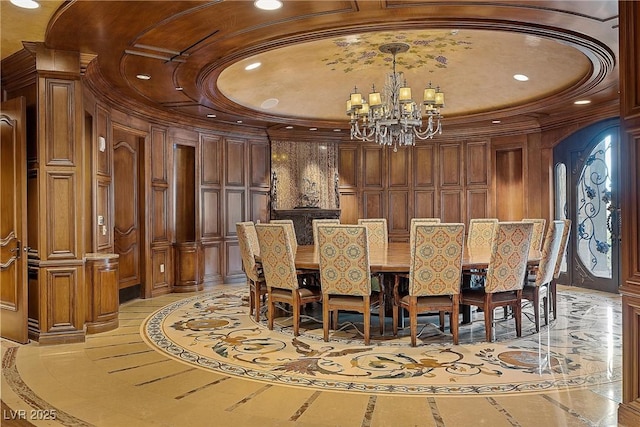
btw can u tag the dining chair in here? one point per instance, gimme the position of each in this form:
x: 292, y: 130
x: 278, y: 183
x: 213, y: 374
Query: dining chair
x: 538, y: 232
x: 291, y: 231
x: 281, y: 276
x: 435, y: 271
x: 316, y: 222
x: 564, y: 242
x: 345, y: 276
x: 377, y: 231
x: 481, y: 232
x: 540, y: 281
x: 505, y: 274
x: 249, y: 249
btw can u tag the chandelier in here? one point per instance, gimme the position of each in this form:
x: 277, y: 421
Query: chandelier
x: 395, y: 119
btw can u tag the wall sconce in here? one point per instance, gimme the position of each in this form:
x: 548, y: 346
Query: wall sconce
x: 102, y: 144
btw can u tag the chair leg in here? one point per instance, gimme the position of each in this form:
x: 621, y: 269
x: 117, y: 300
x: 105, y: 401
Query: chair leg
x: 441, y: 315
x: 381, y: 312
x: 334, y: 323
x: 251, y: 297
x: 488, y: 317
x: 256, y: 301
x: 367, y: 319
x: 517, y: 313
x: 536, y: 307
x: 453, y: 320
x: 325, y: 316
x: 394, y: 314
x: 296, y: 314
x: 270, y: 310
x: 552, y: 291
x: 413, y: 320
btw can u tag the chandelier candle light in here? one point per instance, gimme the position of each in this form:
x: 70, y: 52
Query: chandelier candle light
x: 396, y: 119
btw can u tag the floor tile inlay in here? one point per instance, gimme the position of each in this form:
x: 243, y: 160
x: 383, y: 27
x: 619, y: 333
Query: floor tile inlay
x: 214, y: 331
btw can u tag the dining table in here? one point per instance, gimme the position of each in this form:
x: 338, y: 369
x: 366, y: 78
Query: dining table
x: 394, y: 257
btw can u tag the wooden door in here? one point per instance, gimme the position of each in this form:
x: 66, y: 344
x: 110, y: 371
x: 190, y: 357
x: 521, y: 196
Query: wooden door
x: 13, y: 221
x: 126, y: 226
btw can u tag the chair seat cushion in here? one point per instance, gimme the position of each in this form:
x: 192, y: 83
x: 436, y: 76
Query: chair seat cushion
x: 476, y: 296
x: 429, y: 303
x: 304, y: 293
x: 345, y: 301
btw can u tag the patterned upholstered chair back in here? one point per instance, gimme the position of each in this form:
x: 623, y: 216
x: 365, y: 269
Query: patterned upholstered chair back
x: 277, y: 257
x: 550, y: 251
x: 291, y: 232
x: 538, y: 232
x: 377, y: 231
x: 344, y: 260
x: 509, y: 255
x: 481, y: 232
x: 563, y: 246
x: 436, y: 259
x: 317, y: 222
x: 422, y: 221
x: 249, y: 248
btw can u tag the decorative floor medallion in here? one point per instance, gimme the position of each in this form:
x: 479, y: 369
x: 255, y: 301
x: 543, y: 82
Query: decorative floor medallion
x: 214, y: 331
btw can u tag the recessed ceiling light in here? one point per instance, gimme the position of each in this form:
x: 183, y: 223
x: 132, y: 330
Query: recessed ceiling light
x: 582, y: 102
x: 268, y: 4
x: 337, y: 130
x: 238, y: 121
x: 313, y: 128
x: 253, y: 66
x: 289, y: 127
x: 495, y: 122
x: 269, y: 103
x: 520, y: 77
x: 26, y: 4
x: 178, y: 87
x: 211, y: 116
x: 144, y: 76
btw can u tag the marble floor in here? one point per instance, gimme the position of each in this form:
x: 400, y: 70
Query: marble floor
x: 117, y: 379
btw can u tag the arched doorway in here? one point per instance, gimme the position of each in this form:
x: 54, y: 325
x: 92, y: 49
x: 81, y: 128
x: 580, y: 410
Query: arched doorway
x: 586, y: 180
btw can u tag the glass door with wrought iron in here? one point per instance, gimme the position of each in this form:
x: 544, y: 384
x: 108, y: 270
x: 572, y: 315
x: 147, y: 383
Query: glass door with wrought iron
x: 586, y: 181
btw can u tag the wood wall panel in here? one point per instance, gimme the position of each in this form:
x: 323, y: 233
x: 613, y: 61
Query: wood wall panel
x: 349, y: 210
x: 399, y: 168
x: 235, y: 164
x: 259, y: 205
x: 373, y: 204
x: 63, y: 295
x: 259, y: 175
x: 161, y: 269
x: 233, y: 261
x: 104, y: 209
x: 509, y: 183
x: 348, y: 166
x: 210, y: 208
x: 211, y: 148
x: 424, y: 204
x: 373, y: 167
x: 424, y: 165
x: 234, y: 210
x: 451, y: 165
x: 451, y: 206
x: 477, y: 204
x: 159, y: 216
x: 212, y: 256
x: 477, y: 164
x: 62, y: 204
x: 103, y: 128
x: 399, y: 208
x: 159, y: 156
x: 629, y: 66
x: 61, y: 121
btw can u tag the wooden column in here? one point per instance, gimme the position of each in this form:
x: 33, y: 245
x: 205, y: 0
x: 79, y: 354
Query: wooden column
x: 629, y: 410
x: 55, y: 200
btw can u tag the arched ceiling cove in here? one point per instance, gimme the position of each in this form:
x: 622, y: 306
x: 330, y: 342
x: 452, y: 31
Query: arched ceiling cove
x: 313, y: 53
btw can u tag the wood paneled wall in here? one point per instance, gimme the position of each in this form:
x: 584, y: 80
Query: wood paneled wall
x: 629, y: 410
x: 449, y: 180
